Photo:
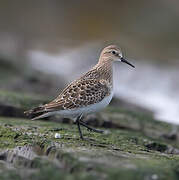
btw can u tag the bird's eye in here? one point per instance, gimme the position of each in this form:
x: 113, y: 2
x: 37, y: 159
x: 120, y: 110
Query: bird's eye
x: 114, y: 52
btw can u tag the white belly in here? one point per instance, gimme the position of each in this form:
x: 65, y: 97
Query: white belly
x: 73, y: 113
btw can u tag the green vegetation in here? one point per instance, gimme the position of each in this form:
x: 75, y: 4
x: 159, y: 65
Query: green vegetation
x: 20, y: 100
x: 120, y: 153
x: 135, y: 146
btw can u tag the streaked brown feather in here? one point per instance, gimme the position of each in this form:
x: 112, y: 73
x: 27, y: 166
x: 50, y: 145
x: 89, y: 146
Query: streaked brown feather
x: 78, y: 94
x: 89, y: 89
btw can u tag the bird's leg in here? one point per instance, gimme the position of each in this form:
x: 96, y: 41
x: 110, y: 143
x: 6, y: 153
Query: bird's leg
x: 78, y: 124
x: 90, y: 128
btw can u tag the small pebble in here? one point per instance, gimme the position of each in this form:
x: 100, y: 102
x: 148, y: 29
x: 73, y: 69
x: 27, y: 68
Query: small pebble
x: 57, y: 136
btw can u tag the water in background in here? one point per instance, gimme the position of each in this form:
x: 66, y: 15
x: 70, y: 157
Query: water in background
x: 153, y: 87
x: 149, y: 85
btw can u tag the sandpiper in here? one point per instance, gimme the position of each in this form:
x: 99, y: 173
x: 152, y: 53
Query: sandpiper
x: 90, y: 93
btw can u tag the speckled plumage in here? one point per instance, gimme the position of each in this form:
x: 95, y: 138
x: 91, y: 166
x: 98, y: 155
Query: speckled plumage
x: 89, y: 89
x: 91, y: 92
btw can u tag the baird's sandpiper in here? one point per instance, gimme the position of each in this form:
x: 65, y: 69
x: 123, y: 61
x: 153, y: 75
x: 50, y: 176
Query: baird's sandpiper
x: 90, y: 93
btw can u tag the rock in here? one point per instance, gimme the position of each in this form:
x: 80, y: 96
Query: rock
x: 171, y: 136
x: 133, y: 145
x: 123, y: 153
x: 157, y: 146
x: 10, y: 111
x: 172, y: 150
x: 14, y: 104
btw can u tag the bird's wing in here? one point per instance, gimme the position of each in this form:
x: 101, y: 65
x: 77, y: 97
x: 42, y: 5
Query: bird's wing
x: 78, y: 94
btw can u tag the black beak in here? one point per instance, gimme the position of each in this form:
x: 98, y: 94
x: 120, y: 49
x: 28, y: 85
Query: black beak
x: 127, y: 62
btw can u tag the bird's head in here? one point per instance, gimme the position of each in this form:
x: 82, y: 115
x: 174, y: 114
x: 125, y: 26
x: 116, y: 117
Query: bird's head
x: 113, y: 53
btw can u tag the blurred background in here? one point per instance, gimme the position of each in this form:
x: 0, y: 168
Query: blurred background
x: 46, y: 44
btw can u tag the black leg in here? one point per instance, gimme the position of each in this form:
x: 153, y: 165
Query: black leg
x: 90, y: 128
x: 78, y: 124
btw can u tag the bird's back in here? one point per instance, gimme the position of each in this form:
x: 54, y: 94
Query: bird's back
x: 87, y: 90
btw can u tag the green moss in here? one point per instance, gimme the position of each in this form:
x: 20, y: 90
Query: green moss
x: 10, y: 138
x: 140, y: 122
x: 143, y: 118
x: 121, y: 153
x: 7, y: 137
x: 41, y: 132
x: 47, y: 173
x: 20, y: 100
x: 11, y: 174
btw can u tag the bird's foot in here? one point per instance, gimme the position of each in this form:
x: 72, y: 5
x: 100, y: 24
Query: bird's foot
x: 90, y: 128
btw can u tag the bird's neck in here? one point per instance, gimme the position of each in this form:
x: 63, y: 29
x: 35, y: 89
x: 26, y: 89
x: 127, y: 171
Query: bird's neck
x: 104, y: 67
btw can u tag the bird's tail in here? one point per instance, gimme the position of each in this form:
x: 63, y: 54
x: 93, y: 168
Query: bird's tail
x: 36, y: 110
x: 37, y: 113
